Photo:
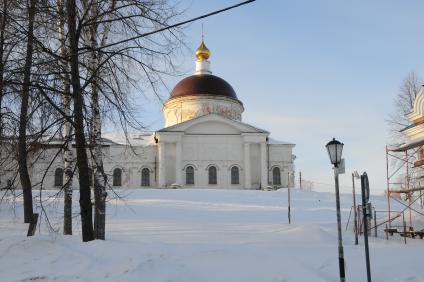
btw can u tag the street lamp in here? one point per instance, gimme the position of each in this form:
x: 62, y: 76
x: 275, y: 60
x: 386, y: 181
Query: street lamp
x: 335, y: 149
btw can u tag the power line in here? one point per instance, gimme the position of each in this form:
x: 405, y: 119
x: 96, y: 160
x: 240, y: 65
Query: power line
x: 177, y: 24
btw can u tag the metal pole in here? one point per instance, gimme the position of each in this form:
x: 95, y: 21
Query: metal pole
x: 339, y: 228
x: 404, y: 226
x: 300, y: 180
x: 387, y: 232
x: 364, y: 214
x: 375, y: 223
x: 388, y: 190
x: 404, y: 230
x: 289, y: 211
x: 355, y: 224
x: 407, y: 187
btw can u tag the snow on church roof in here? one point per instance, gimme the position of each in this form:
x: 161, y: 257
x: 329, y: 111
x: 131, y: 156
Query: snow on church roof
x: 272, y: 141
x: 134, y: 139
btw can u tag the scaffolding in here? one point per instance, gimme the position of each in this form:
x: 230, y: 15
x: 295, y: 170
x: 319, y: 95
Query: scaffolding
x: 405, y: 179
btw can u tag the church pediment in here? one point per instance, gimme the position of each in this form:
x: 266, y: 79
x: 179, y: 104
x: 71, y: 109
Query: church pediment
x: 212, y: 124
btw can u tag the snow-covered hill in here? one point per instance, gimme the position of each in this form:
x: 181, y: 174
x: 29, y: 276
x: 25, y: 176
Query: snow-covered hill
x: 205, y: 235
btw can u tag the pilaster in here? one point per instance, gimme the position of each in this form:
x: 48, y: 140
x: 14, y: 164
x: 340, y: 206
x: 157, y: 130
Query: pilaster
x: 162, y: 164
x: 178, y: 163
x: 247, y: 175
x: 264, y: 167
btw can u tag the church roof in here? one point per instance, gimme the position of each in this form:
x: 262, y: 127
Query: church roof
x: 272, y: 141
x: 182, y: 126
x: 133, y: 139
x: 203, y: 84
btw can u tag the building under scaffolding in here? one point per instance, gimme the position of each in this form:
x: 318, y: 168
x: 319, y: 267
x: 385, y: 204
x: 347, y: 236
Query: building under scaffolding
x: 405, y: 169
x: 405, y: 180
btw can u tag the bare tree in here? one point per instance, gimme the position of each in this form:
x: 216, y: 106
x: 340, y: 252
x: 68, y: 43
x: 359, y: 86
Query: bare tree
x: 109, y: 72
x: 22, y: 148
x: 404, y: 104
x: 67, y: 149
x: 78, y: 76
x: 82, y: 161
x: 96, y: 128
x: 3, y: 21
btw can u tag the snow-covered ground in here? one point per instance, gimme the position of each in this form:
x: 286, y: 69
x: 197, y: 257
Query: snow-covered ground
x: 205, y: 235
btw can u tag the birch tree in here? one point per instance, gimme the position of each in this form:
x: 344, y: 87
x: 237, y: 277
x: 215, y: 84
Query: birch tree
x: 67, y: 149
x: 96, y: 129
x: 104, y: 50
x: 3, y: 21
x: 108, y: 74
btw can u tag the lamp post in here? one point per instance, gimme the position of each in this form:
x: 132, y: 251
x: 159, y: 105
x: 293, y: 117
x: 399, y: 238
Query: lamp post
x: 335, y: 149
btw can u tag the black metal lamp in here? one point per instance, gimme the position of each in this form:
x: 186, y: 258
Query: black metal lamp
x: 335, y: 149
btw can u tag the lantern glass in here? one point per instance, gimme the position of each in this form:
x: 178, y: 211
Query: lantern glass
x: 335, y: 149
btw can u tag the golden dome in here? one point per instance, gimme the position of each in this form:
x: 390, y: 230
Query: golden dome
x: 203, y: 53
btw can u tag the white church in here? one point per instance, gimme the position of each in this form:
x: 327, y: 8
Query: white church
x: 204, y: 144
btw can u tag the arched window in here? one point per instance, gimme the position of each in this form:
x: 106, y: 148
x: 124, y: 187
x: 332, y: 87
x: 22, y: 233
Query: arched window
x: 58, y: 177
x: 145, y: 177
x: 235, y: 179
x: 276, y: 176
x: 189, y: 175
x: 212, y: 175
x: 117, y: 177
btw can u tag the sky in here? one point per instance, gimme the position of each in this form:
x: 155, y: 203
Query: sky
x: 308, y: 71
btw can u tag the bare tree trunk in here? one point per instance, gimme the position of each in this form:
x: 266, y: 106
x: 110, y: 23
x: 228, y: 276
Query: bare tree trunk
x: 23, y: 119
x: 82, y: 160
x: 67, y: 149
x: 96, y: 135
x: 3, y: 17
x: 99, y: 175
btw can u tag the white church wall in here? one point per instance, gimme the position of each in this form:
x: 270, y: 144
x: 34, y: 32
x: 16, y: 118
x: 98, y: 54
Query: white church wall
x: 41, y: 167
x: 210, y: 140
x: 130, y: 160
x: 212, y: 148
x: 222, y: 151
x: 170, y: 163
x: 281, y: 156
